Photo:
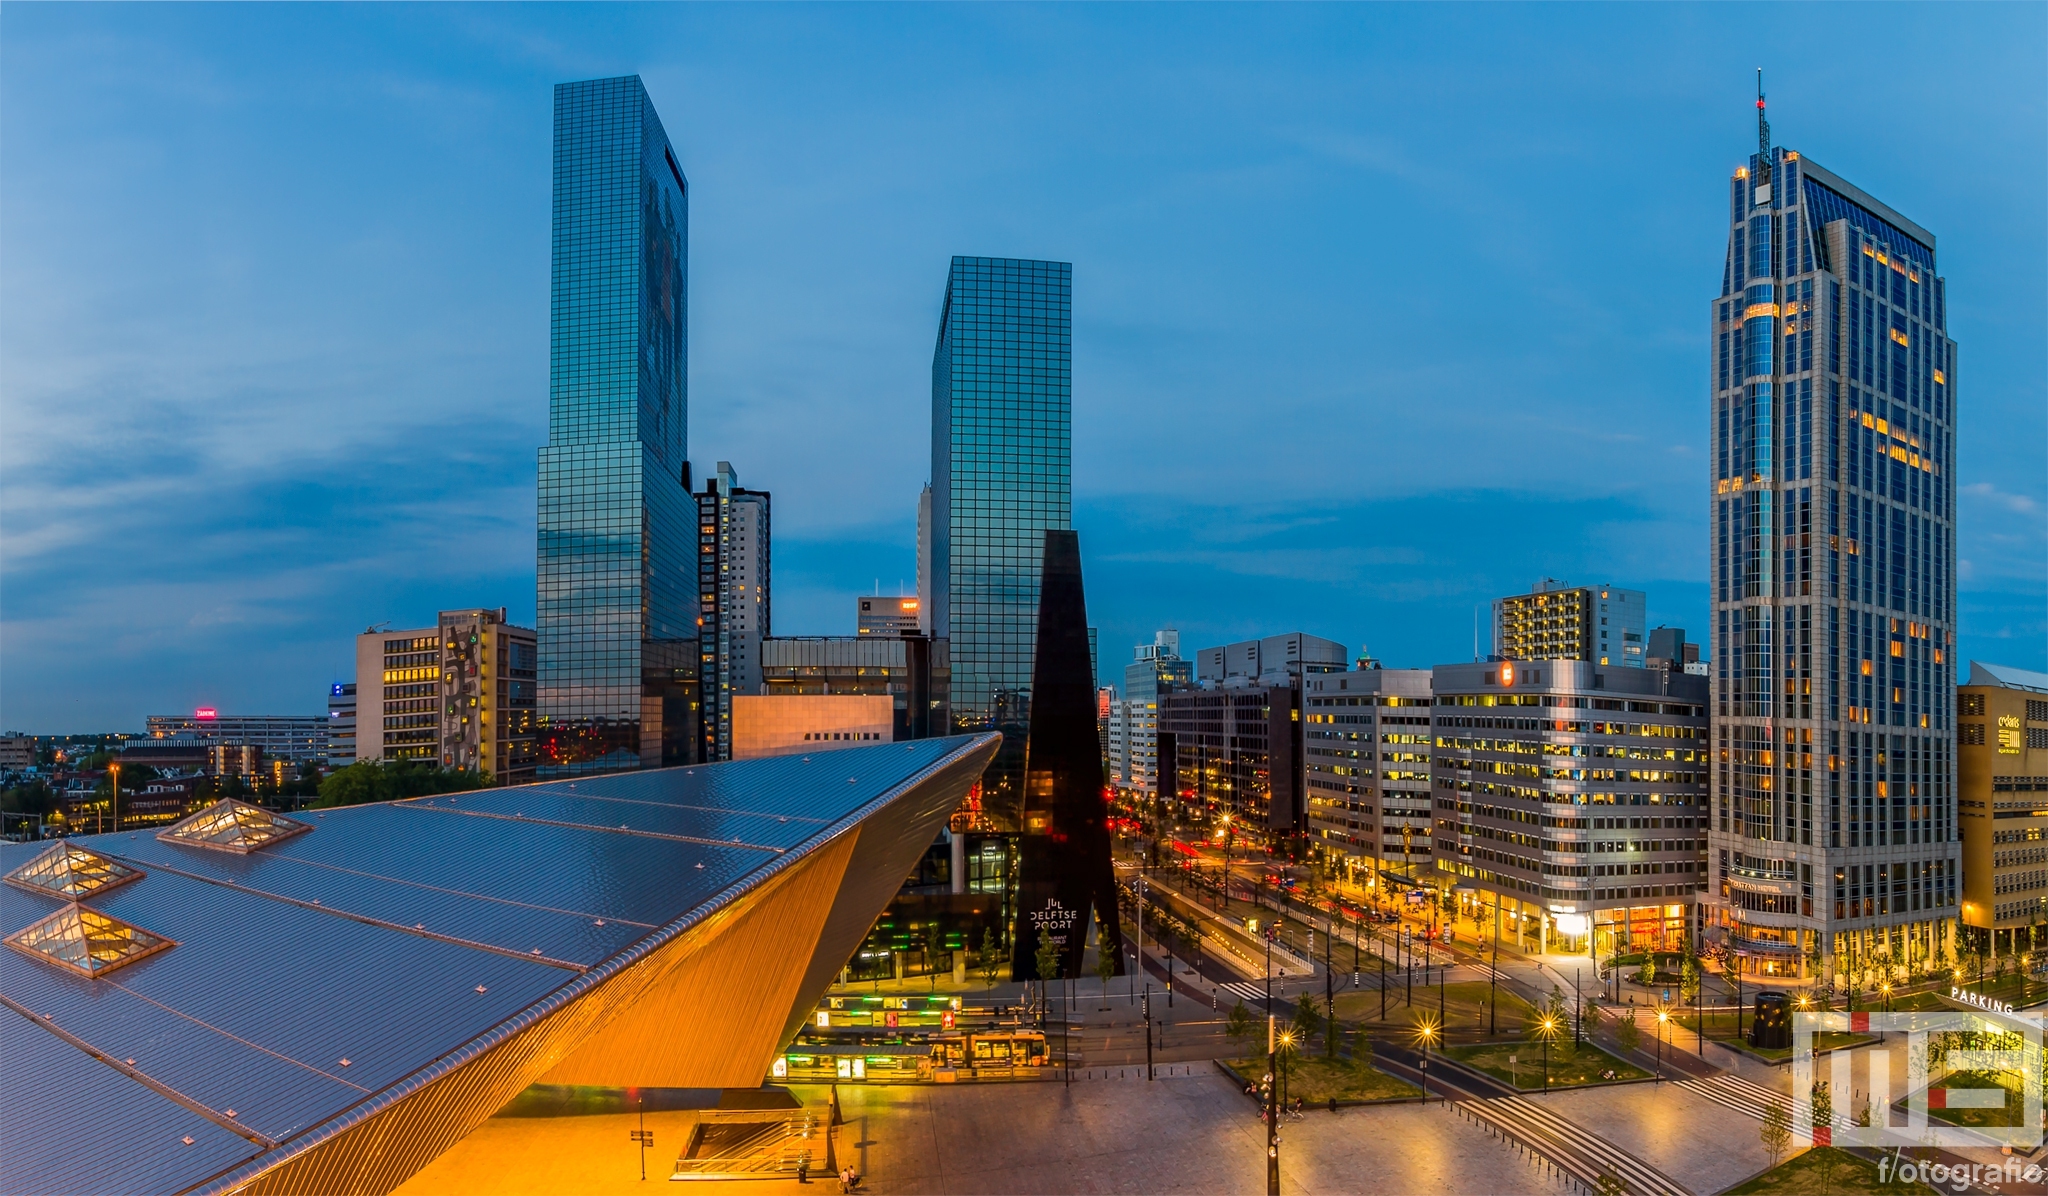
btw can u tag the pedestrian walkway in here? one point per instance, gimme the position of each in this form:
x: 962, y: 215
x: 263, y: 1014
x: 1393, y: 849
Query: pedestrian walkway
x: 1731, y: 1091
x: 1586, y: 1155
x: 1245, y: 989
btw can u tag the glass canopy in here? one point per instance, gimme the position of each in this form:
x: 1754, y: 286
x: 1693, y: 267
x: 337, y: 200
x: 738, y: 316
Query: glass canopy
x: 86, y: 941
x: 237, y: 826
x: 67, y: 870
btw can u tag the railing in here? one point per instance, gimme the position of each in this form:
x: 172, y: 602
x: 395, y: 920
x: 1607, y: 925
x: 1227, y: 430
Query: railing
x: 784, y: 1144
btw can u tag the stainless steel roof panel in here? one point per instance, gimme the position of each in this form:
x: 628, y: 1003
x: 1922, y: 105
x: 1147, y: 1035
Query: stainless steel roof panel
x: 268, y: 1093
x: 76, y: 1125
x: 631, y: 815
x: 332, y: 988
x: 453, y: 879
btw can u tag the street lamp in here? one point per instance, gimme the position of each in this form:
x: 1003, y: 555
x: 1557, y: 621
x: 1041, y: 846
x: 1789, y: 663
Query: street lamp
x: 1663, y: 1016
x: 1549, y: 1028
x: 1425, y: 1032
x: 1272, y: 1112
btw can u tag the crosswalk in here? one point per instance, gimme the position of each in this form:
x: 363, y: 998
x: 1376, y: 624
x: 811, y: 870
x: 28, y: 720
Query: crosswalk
x: 1731, y: 1091
x: 1586, y: 1155
x: 1247, y: 989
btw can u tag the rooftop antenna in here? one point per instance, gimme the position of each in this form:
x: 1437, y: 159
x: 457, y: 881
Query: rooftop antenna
x: 1763, y: 139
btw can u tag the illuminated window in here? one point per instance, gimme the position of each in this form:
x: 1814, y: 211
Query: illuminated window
x: 230, y: 825
x: 71, y: 872
x: 86, y: 941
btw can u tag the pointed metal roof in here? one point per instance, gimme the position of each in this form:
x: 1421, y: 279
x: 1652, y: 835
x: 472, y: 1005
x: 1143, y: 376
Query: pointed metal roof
x: 231, y: 825
x: 69, y: 871
x: 86, y: 941
x: 2007, y: 677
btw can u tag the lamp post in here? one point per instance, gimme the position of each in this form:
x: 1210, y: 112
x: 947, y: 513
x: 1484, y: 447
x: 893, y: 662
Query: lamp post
x: 1272, y: 1110
x: 1549, y: 1028
x: 1427, y: 1033
x: 643, y: 1136
x: 1663, y: 1016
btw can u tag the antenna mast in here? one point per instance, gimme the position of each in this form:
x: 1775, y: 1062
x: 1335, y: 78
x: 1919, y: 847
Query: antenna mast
x: 1763, y: 135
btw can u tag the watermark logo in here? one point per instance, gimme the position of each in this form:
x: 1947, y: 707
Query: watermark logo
x: 1925, y: 1078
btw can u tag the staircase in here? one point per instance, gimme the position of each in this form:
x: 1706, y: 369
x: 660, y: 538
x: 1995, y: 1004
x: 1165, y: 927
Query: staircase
x: 751, y: 1144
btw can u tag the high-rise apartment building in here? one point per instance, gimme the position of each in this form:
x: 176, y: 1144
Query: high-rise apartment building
x: 733, y: 602
x: 1365, y: 766
x: 1833, y: 578
x: 460, y: 694
x: 886, y: 616
x: 1134, y: 717
x: 1570, y: 800
x: 617, y: 611
x: 2002, y: 800
x: 1002, y: 475
x: 1553, y: 621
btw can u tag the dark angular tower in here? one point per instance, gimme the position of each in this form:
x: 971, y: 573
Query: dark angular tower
x: 1064, y: 870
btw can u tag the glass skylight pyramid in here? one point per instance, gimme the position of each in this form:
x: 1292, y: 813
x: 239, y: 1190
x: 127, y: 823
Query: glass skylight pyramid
x: 67, y: 870
x: 237, y: 826
x: 86, y: 941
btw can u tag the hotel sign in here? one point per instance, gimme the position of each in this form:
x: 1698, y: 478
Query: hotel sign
x: 2009, y: 735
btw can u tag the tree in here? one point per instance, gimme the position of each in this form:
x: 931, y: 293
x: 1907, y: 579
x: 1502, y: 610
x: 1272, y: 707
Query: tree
x: 1626, y: 1032
x: 934, y: 946
x: 1609, y: 1184
x: 390, y: 780
x: 1648, y: 976
x: 1238, y: 1024
x: 1047, y: 961
x: 991, y: 966
x: 1689, y: 979
x: 1308, y: 1018
x: 1361, y: 1050
x: 1823, y: 1109
x: 1776, y: 1132
x: 1105, y: 967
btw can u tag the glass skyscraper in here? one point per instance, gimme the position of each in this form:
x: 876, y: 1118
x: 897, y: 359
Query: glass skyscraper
x: 1833, y: 841
x: 616, y: 565
x: 1002, y: 475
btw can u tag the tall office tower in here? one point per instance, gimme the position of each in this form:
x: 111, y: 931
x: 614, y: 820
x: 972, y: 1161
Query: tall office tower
x: 616, y: 607
x: 733, y: 601
x: 1833, y: 578
x: 1603, y: 625
x: 1002, y: 475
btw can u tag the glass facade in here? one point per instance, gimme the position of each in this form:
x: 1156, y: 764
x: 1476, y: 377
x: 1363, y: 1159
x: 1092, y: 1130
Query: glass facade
x: 616, y: 571
x: 1002, y: 475
x: 1833, y: 563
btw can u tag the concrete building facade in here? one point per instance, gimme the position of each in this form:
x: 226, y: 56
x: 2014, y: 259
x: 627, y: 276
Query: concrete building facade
x: 2002, y: 807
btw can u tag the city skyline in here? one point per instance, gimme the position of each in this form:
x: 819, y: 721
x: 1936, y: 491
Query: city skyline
x: 1225, y: 490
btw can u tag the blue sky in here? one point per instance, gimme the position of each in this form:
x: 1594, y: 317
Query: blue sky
x: 1379, y: 311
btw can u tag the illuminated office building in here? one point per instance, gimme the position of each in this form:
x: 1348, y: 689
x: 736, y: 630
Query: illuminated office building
x: 459, y: 694
x: 1365, y: 766
x: 1002, y: 471
x: 617, y: 607
x: 1833, y: 578
x: 2002, y: 800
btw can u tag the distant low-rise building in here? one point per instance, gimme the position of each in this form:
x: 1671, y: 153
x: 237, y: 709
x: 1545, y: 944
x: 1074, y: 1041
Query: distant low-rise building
x: 781, y: 724
x: 908, y: 669
x: 341, y: 724
x: 1134, y: 748
x: 17, y: 751
x: 887, y: 616
x: 293, y: 737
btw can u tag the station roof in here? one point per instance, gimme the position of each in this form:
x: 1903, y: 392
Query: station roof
x: 194, y: 999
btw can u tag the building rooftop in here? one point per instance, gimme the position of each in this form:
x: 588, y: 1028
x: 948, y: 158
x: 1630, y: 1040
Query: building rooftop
x: 2007, y: 677
x: 243, y: 995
